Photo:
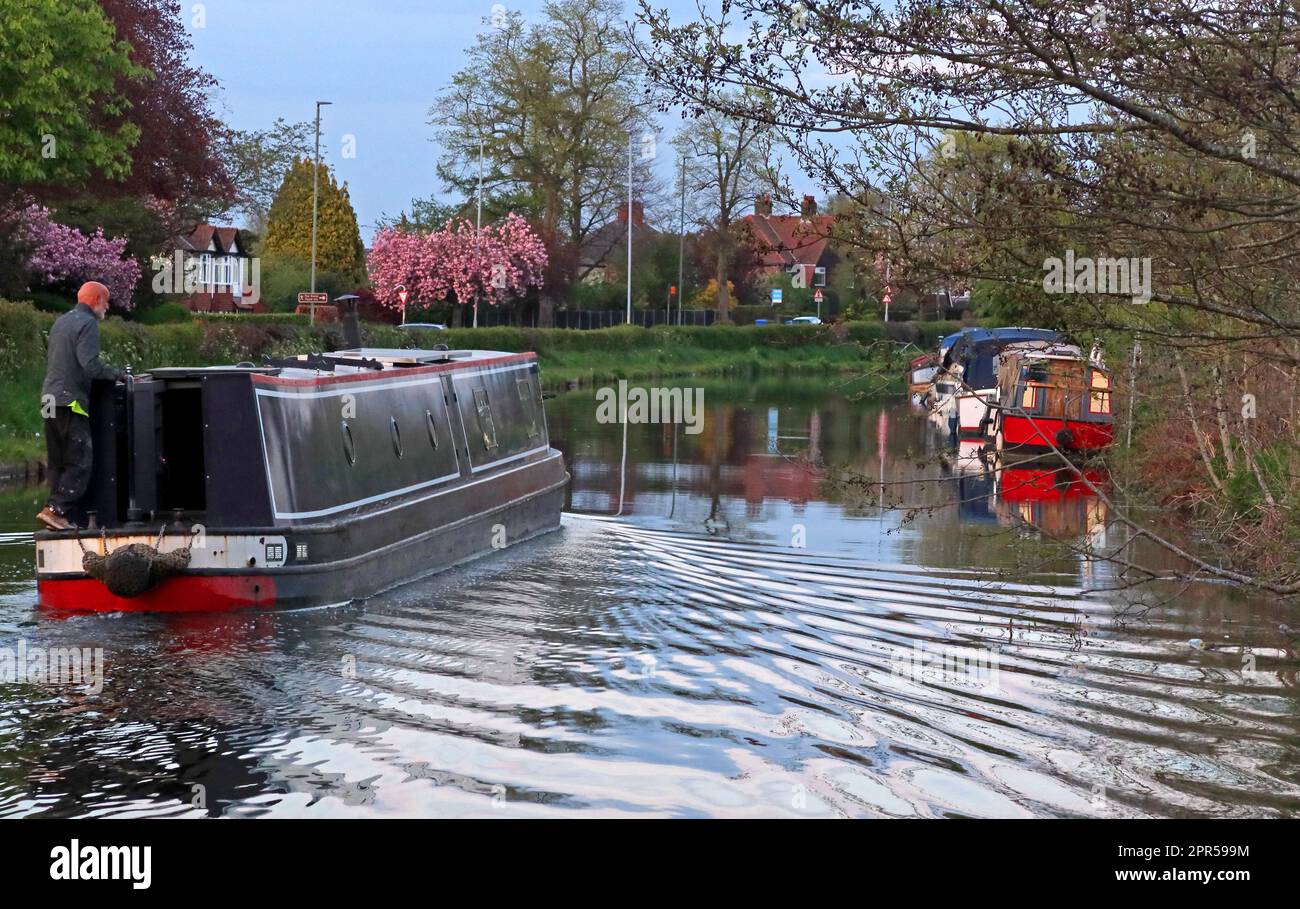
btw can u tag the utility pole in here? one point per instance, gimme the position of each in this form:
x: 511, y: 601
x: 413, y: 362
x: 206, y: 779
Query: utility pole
x: 629, y: 227
x: 478, y: 222
x: 315, y: 204
x: 681, y: 247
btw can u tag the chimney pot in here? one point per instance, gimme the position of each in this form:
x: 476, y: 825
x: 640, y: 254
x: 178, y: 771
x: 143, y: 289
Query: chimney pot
x: 763, y: 205
x: 809, y: 207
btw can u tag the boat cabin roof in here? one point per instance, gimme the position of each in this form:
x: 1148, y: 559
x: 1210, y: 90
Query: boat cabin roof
x: 358, y: 362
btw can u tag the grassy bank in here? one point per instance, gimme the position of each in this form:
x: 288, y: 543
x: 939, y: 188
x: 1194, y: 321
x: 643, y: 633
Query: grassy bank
x: 567, y: 357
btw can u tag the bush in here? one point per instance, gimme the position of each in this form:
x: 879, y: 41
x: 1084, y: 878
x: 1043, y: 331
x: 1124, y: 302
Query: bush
x: 274, y: 318
x: 163, y: 314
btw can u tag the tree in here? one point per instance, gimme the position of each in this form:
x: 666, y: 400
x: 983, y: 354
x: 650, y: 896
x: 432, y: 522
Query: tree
x: 64, y: 257
x: 492, y: 266
x: 553, y: 105
x: 1159, y: 136
x: 726, y: 166
x: 426, y: 215
x: 51, y: 131
x: 166, y: 105
x: 257, y: 161
x: 289, y: 224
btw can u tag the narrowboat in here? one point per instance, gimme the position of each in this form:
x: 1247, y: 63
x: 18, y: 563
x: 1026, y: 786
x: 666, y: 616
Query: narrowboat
x: 1052, y: 399
x: 314, y: 480
x: 920, y: 374
x: 969, y: 368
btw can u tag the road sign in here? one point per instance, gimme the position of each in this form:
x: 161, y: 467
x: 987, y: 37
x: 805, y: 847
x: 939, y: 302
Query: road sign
x: 306, y: 297
x: 402, y: 295
x: 817, y: 295
x: 776, y: 295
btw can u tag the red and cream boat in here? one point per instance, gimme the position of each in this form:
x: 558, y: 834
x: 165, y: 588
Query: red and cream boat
x: 1051, y: 400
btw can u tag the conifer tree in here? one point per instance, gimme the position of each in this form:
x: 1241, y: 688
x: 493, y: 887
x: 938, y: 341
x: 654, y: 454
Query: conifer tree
x: 288, y: 226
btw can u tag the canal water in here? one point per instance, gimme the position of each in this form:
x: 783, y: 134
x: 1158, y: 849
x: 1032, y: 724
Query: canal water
x: 728, y: 623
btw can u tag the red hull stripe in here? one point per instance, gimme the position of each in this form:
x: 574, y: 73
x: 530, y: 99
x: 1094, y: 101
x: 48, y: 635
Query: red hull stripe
x: 405, y: 373
x: 188, y: 593
x: 1043, y: 430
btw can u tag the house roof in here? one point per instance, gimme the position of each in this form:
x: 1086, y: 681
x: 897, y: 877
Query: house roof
x: 604, y: 240
x: 786, y: 240
x: 226, y: 240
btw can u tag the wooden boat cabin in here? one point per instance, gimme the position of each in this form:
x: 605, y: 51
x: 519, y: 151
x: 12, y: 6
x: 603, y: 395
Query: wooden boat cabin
x: 1052, y: 399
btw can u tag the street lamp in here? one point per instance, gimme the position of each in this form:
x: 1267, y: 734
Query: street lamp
x: 478, y: 223
x: 629, y: 227
x: 315, y: 200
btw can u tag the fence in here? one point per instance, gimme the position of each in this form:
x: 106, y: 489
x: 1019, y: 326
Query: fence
x: 492, y: 317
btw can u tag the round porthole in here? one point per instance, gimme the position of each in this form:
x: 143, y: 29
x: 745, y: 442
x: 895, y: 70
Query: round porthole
x: 433, y: 432
x: 349, y: 446
x: 396, y: 435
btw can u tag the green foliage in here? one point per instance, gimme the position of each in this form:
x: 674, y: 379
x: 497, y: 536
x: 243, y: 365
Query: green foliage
x: 261, y: 318
x: 1014, y: 304
x: 258, y: 160
x: 59, y: 60
x: 567, y: 355
x: 288, y: 227
x: 552, y: 101
x: 596, y: 296
x: 162, y: 314
x: 285, y: 276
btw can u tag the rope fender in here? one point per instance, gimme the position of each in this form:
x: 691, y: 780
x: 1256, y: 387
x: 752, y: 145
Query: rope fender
x: 136, y: 568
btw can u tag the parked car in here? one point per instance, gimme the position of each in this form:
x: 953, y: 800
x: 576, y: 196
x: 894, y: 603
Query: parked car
x: 425, y: 326
x: 804, y: 320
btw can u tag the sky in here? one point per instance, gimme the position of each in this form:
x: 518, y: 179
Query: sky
x: 381, y: 63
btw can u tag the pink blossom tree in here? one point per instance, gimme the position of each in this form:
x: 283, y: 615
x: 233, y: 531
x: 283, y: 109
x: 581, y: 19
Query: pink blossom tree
x: 64, y: 255
x: 492, y: 266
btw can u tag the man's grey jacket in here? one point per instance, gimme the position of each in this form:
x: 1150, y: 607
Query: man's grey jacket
x: 72, y: 362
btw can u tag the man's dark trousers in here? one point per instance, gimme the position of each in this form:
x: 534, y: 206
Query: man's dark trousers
x: 70, y: 454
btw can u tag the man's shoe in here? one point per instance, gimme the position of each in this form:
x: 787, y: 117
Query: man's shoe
x: 53, y: 520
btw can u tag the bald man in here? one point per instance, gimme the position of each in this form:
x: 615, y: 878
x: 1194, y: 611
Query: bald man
x: 72, y: 363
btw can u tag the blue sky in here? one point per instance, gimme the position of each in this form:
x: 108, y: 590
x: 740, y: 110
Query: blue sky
x: 381, y: 62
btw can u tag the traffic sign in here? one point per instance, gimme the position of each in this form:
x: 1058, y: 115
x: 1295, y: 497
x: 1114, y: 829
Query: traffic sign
x: 817, y: 295
x: 306, y: 297
x: 776, y: 295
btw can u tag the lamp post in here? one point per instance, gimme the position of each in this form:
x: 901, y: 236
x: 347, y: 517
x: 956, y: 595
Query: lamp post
x: 681, y: 246
x: 315, y: 202
x: 629, y: 227
x: 478, y: 222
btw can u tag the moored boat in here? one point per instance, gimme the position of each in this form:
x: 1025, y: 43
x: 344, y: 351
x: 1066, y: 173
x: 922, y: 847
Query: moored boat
x: 315, y: 480
x: 970, y: 363
x: 1052, y: 400
x: 920, y: 374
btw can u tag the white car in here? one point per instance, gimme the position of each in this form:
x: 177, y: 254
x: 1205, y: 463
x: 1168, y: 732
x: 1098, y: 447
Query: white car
x: 804, y: 320
x: 424, y: 326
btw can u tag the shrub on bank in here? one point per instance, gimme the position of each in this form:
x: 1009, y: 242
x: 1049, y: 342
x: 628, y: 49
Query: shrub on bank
x: 210, y: 338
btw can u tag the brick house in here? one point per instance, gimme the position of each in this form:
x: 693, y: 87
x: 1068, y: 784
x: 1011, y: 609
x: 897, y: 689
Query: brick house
x: 607, y: 244
x: 227, y: 276
x: 798, y: 245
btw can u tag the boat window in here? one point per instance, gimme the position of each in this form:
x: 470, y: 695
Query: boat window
x: 396, y: 434
x: 485, y: 424
x: 525, y: 389
x: 1029, y: 400
x: 1036, y: 373
x: 349, y: 446
x: 1099, y: 397
x: 433, y: 431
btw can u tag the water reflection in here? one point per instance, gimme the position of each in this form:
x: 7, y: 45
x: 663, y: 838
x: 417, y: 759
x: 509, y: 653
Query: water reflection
x: 824, y: 463
x: 685, y: 659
